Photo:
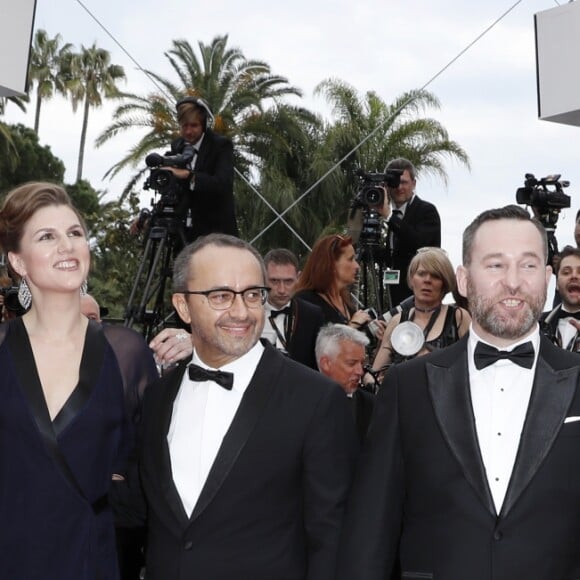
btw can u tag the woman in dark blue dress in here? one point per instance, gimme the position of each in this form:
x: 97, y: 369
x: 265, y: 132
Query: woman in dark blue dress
x: 65, y: 390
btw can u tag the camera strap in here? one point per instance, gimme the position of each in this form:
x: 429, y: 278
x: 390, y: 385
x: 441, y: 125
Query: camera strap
x: 431, y: 322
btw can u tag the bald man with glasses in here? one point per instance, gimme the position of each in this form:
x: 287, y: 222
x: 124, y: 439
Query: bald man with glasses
x: 246, y: 455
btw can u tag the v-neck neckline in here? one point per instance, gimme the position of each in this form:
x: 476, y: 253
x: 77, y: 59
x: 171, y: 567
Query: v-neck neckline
x: 91, y: 359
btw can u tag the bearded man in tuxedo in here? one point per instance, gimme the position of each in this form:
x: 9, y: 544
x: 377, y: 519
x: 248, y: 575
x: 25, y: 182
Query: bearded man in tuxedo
x: 470, y: 468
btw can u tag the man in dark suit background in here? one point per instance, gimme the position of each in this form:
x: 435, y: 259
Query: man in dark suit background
x: 244, y: 471
x: 341, y: 356
x: 470, y: 469
x: 413, y: 224
x: 207, y: 184
x: 291, y: 324
x: 561, y: 325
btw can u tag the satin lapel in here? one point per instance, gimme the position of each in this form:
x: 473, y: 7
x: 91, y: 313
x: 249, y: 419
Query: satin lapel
x: 161, y: 458
x: 448, y: 385
x: 253, y: 402
x: 550, y: 400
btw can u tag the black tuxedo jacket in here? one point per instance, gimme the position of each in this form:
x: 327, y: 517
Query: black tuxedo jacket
x: 421, y: 495
x: 549, y: 326
x: 362, y: 403
x: 420, y: 227
x: 212, y: 201
x: 272, y: 505
x: 307, y: 319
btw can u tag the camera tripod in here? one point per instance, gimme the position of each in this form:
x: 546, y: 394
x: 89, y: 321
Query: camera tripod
x: 147, y: 303
x: 372, y: 290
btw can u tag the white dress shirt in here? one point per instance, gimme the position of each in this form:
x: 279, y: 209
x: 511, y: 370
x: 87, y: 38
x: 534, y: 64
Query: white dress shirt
x: 567, y: 331
x: 280, y: 321
x: 202, y: 414
x: 500, y: 394
x: 401, y: 211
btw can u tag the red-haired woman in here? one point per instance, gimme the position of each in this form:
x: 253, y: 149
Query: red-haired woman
x: 326, y: 280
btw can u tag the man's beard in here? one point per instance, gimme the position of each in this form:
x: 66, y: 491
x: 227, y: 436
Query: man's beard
x: 501, y: 324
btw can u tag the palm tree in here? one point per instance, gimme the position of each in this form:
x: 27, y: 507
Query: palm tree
x: 46, y: 59
x: 366, y: 133
x: 7, y: 146
x: 238, y: 91
x: 89, y: 75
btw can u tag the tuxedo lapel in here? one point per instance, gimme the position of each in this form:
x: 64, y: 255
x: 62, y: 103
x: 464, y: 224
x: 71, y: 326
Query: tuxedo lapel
x: 253, y: 402
x: 160, y: 451
x: 550, y: 400
x: 448, y: 385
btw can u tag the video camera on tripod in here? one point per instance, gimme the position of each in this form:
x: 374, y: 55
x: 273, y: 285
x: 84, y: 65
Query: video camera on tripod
x: 365, y: 227
x: 369, y: 198
x: 166, y: 235
x: 162, y: 180
x: 546, y: 198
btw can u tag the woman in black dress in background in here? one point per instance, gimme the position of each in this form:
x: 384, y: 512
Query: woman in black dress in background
x: 327, y: 278
x: 65, y: 388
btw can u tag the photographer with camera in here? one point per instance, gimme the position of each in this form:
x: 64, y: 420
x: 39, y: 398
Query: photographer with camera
x: 413, y: 224
x: 202, y: 163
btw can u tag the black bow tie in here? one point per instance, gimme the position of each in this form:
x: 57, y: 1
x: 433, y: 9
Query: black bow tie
x: 485, y: 355
x: 563, y: 314
x: 199, y: 374
x: 287, y: 310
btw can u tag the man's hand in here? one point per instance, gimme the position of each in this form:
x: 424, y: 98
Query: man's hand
x: 385, y: 209
x: 179, y: 172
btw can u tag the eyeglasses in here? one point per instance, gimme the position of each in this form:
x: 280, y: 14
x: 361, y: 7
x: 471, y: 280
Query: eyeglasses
x: 223, y: 298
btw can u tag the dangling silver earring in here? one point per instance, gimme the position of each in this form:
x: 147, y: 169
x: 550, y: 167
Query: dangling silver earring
x: 84, y: 288
x: 24, y: 295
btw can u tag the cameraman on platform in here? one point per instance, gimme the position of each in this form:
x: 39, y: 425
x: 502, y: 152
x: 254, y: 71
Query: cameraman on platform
x: 209, y: 182
x: 207, y: 203
x: 413, y: 224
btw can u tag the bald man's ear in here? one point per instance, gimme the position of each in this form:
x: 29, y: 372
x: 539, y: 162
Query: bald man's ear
x: 180, y: 305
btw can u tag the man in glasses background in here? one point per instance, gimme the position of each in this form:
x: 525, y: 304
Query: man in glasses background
x: 246, y: 456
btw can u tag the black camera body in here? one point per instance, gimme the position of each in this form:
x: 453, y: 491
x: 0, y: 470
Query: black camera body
x: 372, y: 192
x: 544, y: 194
x: 162, y: 180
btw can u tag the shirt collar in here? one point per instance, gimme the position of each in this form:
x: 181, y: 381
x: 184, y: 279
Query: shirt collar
x: 404, y: 207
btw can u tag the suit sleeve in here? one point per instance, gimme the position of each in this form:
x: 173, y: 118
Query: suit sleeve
x: 424, y: 229
x: 372, y: 526
x: 219, y: 183
x: 328, y: 462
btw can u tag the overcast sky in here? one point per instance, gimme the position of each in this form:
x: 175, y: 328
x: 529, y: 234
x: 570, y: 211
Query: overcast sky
x: 488, y: 95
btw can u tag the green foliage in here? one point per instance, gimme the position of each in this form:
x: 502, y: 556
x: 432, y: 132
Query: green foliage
x: 239, y: 92
x: 89, y: 75
x: 35, y: 162
x: 115, y: 254
x: 45, y: 73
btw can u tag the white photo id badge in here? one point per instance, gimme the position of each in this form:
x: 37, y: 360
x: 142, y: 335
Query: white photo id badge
x: 391, y: 276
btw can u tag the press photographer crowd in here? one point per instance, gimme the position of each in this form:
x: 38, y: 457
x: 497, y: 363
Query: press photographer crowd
x: 369, y: 414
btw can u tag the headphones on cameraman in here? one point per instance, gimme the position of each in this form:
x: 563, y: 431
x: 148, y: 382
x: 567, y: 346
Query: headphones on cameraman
x: 202, y: 106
